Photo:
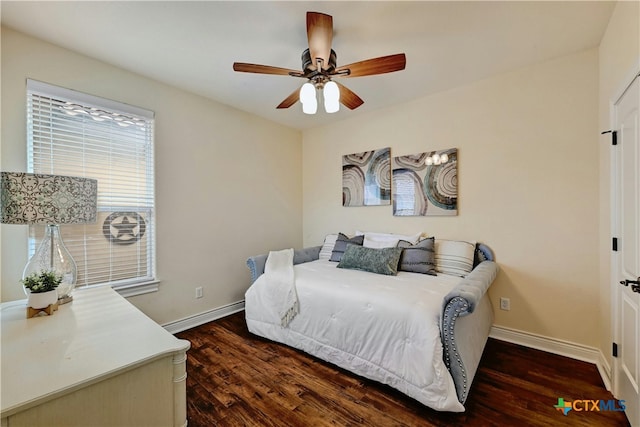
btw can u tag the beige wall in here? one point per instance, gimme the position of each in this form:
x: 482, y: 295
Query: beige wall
x: 619, y: 58
x: 528, y: 185
x: 533, y: 179
x: 228, y: 184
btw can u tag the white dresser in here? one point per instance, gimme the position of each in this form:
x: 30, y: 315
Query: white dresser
x: 97, y: 361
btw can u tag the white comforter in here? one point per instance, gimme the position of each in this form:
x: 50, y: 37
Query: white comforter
x: 386, y: 328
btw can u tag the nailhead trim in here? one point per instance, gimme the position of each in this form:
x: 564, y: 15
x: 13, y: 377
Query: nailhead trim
x: 452, y: 311
x: 252, y: 267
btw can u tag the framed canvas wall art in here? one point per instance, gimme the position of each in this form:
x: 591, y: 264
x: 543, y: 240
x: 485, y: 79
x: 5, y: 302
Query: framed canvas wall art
x: 426, y: 183
x: 366, y: 178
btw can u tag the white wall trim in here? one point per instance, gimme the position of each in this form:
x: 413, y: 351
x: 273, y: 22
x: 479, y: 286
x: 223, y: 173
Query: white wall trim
x: 605, y: 370
x: 556, y: 346
x: 628, y: 79
x: 614, y: 226
x: 202, y: 318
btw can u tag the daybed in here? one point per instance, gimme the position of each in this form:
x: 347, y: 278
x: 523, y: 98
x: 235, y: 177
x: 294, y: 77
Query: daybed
x: 422, y: 334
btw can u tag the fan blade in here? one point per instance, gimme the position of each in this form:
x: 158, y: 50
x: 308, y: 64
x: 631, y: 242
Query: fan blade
x: 262, y: 69
x: 370, y: 67
x: 320, y: 36
x: 290, y: 100
x: 348, y: 98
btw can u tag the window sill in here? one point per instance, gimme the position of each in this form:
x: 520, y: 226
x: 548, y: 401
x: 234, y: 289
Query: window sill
x: 137, y: 289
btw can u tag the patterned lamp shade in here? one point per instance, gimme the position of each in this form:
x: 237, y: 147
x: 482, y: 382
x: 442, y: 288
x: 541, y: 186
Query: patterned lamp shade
x: 28, y: 198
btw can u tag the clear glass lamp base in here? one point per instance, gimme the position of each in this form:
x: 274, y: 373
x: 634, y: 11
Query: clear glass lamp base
x: 52, y: 255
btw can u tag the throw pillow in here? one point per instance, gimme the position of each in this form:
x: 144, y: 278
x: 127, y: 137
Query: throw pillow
x: 418, y: 258
x: 386, y: 240
x: 454, y: 257
x: 379, y: 261
x: 341, y: 245
x: 327, y: 246
x: 379, y: 241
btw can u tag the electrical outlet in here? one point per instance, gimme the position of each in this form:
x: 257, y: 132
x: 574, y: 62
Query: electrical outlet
x: 505, y: 304
x: 199, y: 292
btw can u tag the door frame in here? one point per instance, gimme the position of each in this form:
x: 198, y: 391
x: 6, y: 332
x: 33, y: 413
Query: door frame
x: 614, y: 226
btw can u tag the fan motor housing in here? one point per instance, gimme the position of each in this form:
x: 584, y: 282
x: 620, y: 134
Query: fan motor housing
x: 309, y: 67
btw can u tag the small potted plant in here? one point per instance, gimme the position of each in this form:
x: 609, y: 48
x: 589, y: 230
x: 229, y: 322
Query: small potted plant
x: 41, y: 289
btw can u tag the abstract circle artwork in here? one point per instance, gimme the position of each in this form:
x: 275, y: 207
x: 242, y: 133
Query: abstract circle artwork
x: 426, y: 184
x: 366, y: 178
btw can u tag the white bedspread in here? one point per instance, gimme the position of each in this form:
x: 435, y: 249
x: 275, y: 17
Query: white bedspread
x: 386, y: 328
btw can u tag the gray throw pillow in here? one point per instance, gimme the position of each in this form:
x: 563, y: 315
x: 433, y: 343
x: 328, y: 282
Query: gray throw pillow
x: 379, y: 261
x: 341, y: 245
x: 418, y: 258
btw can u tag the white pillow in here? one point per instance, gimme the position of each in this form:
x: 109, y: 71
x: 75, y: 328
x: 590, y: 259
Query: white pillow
x: 327, y: 246
x: 386, y: 240
x: 454, y: 257
x: 379, y: 241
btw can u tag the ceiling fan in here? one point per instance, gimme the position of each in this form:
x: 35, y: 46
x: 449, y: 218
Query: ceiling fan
x: 319, y: 68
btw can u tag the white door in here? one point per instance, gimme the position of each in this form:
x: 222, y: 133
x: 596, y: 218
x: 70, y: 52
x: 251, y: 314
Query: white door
x: 626, y: 261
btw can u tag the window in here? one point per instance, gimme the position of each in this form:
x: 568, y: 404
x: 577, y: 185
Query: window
x: 71, y: 133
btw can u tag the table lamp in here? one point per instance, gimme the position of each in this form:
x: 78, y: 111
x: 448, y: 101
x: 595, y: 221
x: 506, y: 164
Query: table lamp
x: 28, y: 198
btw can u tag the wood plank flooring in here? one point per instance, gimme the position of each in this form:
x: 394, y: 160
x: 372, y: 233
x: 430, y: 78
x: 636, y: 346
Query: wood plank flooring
x: 238, y: 379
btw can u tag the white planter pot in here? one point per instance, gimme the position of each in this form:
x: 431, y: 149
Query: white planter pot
x: 42, y: 299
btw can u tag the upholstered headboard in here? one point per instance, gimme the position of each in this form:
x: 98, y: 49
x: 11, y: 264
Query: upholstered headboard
x: 483, y: 253
x: 256, y: 263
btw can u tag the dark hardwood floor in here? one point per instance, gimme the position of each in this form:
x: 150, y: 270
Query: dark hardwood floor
x: 238, y: 379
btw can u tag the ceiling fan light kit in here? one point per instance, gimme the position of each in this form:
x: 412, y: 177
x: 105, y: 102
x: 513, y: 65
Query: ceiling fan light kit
x: 308, y: 98
x: 331, y: 94
x: 319, y: 68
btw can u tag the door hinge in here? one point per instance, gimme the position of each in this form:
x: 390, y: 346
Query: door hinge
x: 614, y: 136
x: 614, y: 350
x: 614, y: 244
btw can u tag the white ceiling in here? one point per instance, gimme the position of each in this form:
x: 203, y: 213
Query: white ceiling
x: 192, y: 45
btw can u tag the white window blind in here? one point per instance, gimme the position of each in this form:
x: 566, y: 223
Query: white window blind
x: 71, y: 133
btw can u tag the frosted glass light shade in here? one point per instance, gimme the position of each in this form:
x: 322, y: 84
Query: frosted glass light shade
x: 331, y: 95
x: 309, y: 107
x: 307, y: 93
x: 308, y: 98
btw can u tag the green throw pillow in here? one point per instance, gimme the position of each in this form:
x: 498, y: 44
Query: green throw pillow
x: 379, y: 261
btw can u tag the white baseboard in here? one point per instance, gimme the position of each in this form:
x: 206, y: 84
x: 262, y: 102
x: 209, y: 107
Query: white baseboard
x: 202, y: 318
x: 556, y: 346
x: 605, y: 370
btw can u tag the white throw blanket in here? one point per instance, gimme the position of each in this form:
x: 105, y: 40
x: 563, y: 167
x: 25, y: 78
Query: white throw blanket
x: 278, y: 271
